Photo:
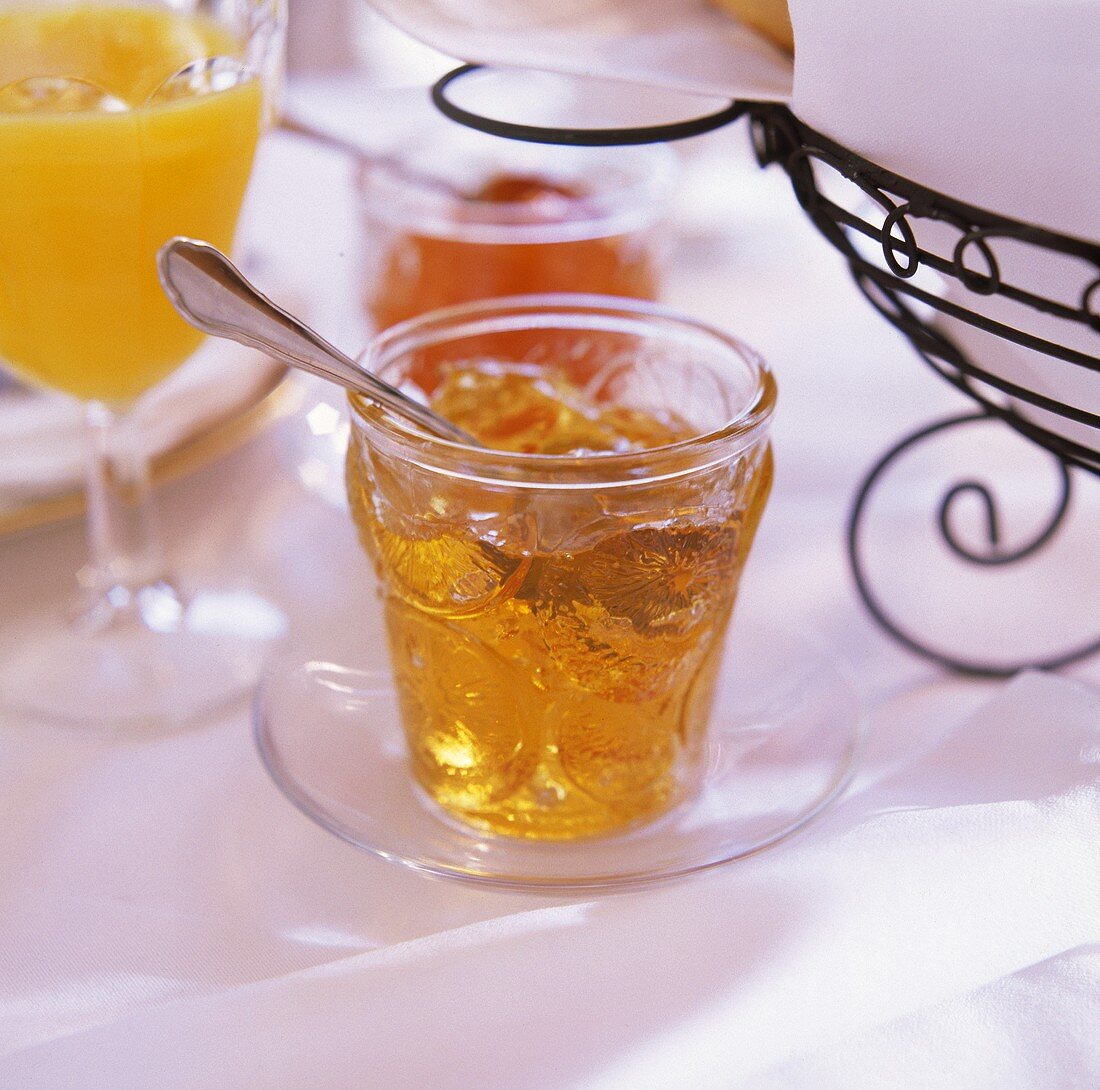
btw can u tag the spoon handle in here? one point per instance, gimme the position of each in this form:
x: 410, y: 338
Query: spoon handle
x: 209, y: 292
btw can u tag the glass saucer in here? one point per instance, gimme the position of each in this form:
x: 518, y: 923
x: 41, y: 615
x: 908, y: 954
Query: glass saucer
x: 785, y: 738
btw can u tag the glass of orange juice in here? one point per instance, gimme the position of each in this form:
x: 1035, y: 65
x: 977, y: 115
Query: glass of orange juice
x: 123, y: 123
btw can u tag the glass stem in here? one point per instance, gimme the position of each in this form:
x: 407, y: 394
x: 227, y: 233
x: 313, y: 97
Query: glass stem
x: 122, y: 530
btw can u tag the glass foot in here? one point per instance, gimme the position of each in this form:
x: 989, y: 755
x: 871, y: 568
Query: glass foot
x: 152, y: 659
x: 785, y: 738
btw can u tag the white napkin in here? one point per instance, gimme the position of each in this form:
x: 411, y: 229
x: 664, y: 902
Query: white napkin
x: 993, y: 101
x: 681, y: 45
x: 946, y: 911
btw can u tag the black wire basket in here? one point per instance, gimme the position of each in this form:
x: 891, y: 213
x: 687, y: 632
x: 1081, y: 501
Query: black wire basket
x: 934, y: 267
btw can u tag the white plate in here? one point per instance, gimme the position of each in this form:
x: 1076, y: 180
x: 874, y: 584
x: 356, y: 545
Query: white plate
x: 785, y: 739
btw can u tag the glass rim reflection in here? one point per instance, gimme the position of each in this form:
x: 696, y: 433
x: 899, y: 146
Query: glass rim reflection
x: 262, y: 24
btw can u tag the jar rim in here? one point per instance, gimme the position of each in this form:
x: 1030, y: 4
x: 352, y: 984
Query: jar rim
x: 404, y: 200
x: 553, y: 471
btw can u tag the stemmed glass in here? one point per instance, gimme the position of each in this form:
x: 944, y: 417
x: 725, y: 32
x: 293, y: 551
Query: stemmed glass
x: 120, y: 126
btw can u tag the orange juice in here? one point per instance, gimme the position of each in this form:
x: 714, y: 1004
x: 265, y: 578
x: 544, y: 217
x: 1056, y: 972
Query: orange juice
x: 88, y: 194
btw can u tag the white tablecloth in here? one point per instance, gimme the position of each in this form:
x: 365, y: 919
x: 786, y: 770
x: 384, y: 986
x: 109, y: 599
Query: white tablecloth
x: 168, y: 919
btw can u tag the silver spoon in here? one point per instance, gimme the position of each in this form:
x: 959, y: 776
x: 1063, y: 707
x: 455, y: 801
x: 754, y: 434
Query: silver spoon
x: 209, y: 292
